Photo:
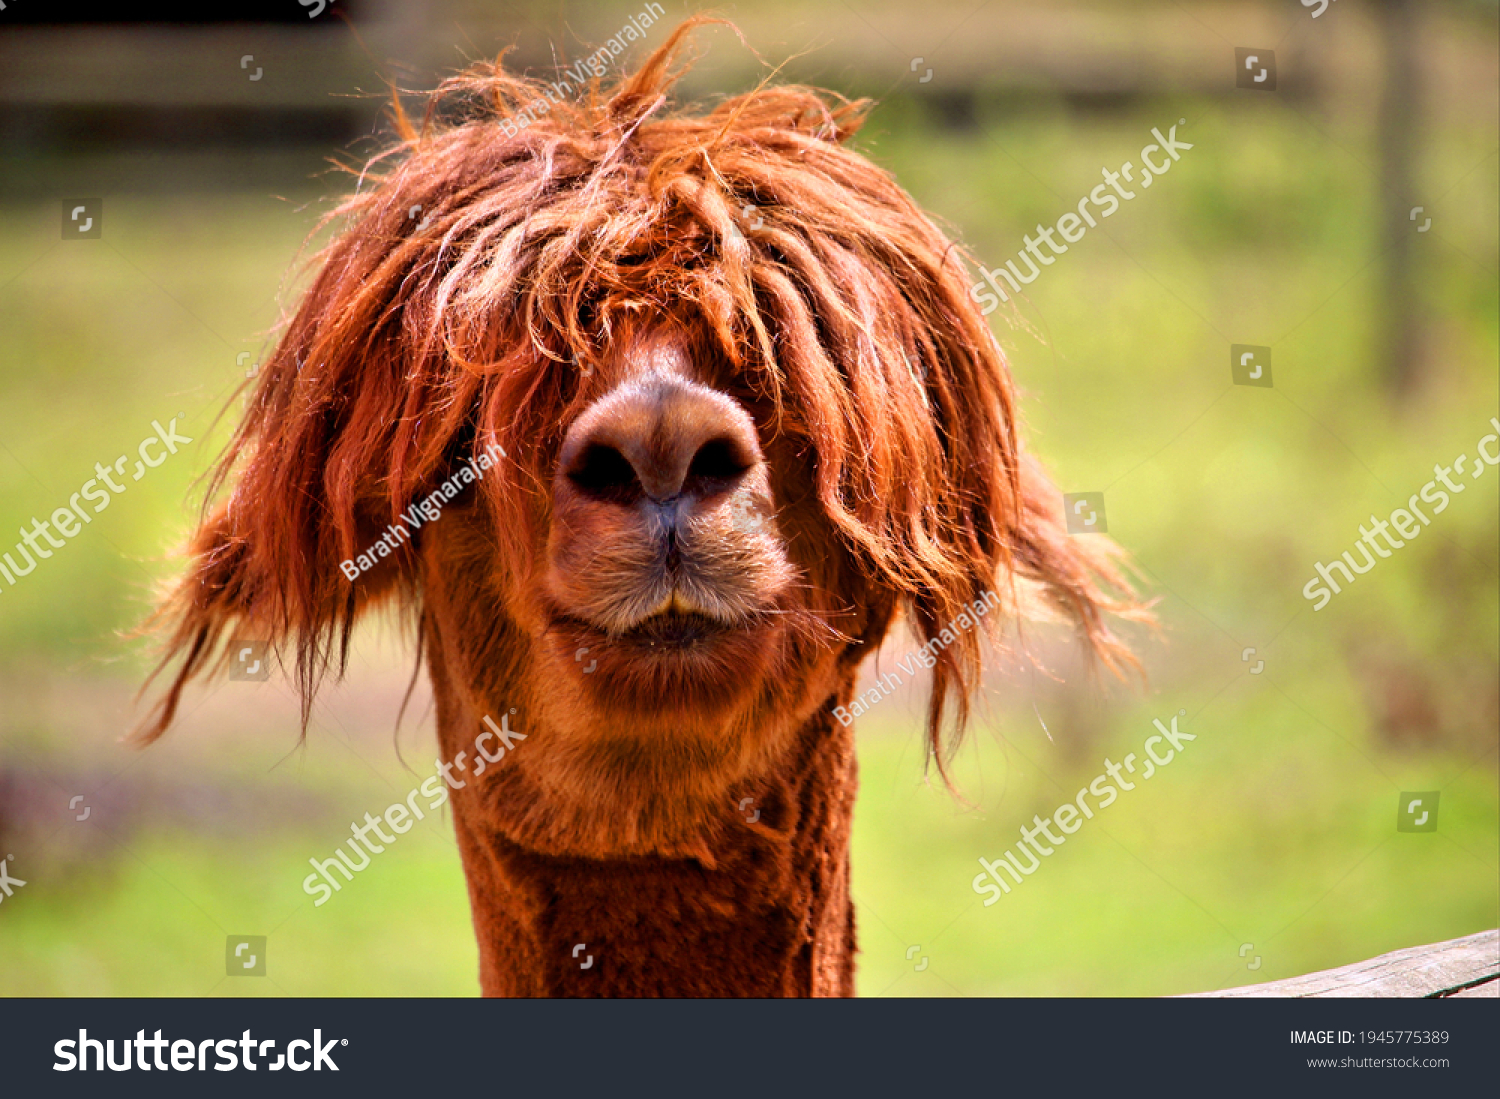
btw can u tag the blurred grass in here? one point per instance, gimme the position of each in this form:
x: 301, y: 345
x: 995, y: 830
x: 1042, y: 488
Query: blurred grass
x: 1274, y: 828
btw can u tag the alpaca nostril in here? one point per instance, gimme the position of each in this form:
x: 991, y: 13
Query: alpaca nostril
x: 717, y: 463
x: 605, y: 474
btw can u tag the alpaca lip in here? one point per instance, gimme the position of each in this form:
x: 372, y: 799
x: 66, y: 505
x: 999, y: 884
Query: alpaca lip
x: 661, y: 639
x: 675, y: 629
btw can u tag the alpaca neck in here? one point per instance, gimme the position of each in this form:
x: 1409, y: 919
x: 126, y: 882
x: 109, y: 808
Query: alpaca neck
x: 762, y: 909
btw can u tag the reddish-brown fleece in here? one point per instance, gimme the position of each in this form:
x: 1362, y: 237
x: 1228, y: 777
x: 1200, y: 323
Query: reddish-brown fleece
x: 807, y: 382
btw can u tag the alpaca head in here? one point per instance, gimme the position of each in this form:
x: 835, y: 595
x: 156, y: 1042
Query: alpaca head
x: 737, y: 411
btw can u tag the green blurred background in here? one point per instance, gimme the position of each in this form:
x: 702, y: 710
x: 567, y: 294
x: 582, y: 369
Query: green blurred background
x: 1286, y: 225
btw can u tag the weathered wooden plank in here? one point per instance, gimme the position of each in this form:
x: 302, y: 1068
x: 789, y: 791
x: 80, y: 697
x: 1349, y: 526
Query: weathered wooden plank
x: 1490, y: 990
x: 1463, y: 967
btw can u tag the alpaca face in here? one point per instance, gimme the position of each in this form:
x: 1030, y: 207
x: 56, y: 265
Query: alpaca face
x: 686, y: 606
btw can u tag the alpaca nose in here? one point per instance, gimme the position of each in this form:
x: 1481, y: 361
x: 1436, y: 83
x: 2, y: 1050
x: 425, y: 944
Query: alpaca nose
x: 665, y: 441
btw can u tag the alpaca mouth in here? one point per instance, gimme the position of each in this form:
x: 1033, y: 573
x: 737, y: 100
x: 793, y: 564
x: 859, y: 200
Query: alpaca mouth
x: 673, y: 640
x: 675, y: 629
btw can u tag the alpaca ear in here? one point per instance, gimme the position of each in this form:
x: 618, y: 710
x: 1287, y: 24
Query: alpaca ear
x: 333, y: 446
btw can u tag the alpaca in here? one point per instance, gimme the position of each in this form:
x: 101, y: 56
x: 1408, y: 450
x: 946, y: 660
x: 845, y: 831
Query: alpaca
x: 746, y: 415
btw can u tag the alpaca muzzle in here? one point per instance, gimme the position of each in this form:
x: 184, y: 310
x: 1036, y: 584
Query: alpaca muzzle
x: 660, y: 516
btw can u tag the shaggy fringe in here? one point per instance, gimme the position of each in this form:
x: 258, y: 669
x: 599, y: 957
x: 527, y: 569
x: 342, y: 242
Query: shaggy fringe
x: 847, y: 311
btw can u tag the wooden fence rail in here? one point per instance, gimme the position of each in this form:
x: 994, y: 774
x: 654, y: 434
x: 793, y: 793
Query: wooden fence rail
x: 1459, y: 967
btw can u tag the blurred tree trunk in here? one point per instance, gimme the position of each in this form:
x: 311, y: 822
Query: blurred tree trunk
x: 1399, y: 327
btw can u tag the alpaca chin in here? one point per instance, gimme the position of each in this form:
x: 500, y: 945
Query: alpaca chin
x: 641, y: 756
x: 603, y: 783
